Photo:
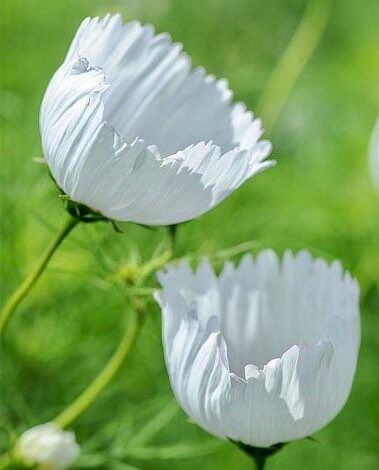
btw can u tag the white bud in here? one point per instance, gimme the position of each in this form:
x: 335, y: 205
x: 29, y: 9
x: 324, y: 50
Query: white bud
x: 48, y: 447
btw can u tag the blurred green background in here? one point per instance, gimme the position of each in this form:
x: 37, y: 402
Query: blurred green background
x: 320, y: 197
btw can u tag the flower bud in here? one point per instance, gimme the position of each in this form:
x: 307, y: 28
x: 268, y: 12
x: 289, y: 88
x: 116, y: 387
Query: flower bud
x: 48, y: 447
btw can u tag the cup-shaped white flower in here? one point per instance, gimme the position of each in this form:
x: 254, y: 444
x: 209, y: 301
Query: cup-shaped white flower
x: 48, y: 447
x: 131, y: 131
x: 266, y: 352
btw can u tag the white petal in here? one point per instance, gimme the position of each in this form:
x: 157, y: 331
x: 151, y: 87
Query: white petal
x: 176, y: 189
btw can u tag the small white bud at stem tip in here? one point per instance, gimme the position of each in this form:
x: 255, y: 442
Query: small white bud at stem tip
x: 48, y: 447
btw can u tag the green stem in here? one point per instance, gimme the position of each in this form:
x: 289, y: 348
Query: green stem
x: 260, y: 462
x: 153, y: 265
x: 259, y: 454
x: 20, y: 293
x: 172, y: 231
x: 84, y: 400
x: 293, y: 60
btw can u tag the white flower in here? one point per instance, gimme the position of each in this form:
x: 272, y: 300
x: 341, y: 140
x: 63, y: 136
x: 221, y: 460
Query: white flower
x: 129, y: 130
x: 48, y: 447
x: 374, y: 154
x: 265, y: 353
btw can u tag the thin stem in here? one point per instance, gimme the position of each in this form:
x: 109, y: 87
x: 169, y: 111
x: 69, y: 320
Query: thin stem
x: 172, y: 231
x: 260, y: 462
x: 20, y: 293
x: 293, y: 60
x: 259, y: 454
x: 153, y: 265
x: 85, y: 399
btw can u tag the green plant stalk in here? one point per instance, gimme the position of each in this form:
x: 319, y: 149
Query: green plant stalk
x: 137, y: 318
x: 153, y: 265
x: 260, y: 462
x: 84, y: 400
x: 259, y: 455
x: 293, y: 60
x: 21, y: 292
x: 172, y: 233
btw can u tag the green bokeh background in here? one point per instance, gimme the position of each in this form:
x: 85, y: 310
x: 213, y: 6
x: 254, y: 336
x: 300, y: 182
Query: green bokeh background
x: 320, y: 197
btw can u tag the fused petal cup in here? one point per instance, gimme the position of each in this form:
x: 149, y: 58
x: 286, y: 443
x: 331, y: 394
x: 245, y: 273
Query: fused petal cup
x: 266, y: 352
x: 130, y: 130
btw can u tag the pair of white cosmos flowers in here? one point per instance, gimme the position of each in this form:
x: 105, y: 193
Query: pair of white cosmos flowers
x: 264, y: 353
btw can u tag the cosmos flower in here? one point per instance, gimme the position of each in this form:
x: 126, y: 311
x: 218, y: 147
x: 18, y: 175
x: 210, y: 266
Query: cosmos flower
x: 130, y: 130
x: 48, y: 447
x: 266, y: 352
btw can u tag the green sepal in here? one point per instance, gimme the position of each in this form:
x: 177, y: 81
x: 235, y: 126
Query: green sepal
x: 116, y: 228
x: 83, y: 213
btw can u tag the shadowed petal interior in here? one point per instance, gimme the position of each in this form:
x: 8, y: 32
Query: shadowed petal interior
x: 155, y: 94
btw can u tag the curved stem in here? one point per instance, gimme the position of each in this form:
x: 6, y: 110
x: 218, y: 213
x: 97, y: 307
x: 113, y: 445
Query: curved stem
x: 85, y: 399
x: 20, y: 293
x: 293, y: 60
